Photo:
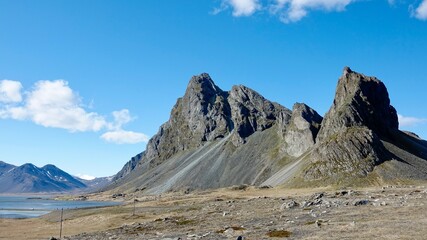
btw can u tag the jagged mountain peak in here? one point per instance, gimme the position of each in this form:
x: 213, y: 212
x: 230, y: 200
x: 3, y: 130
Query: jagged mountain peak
x: 360, y: 101
x: 201, y: 88
x: 202, y: 81
x: 251, y: 112
x: 243, y: 95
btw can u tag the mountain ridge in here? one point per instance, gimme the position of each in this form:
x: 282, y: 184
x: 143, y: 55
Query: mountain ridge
x: 29, y: 178
x: 217, y: 138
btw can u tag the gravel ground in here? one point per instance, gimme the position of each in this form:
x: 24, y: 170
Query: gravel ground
x: 390, y: 212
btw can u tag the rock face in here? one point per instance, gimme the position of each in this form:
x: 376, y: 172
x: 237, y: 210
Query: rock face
x: 348, y: 143
x: 301, y: 133
x: 202, y: 115
x: 251, y: 112
x: 216, y: 138
x: 354, y: 151
x: 129, y: 166
x: 360, y: 101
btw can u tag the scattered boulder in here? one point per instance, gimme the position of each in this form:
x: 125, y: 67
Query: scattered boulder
x: 288, y: 205
x: 317, y: 196
x: 361, y: 202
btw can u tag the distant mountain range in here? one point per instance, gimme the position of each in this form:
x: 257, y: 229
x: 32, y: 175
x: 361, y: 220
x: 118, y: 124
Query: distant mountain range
x: 217, y: 138
x: 31, y: 179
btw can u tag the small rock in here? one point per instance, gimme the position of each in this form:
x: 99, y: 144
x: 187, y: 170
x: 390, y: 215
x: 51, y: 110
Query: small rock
x: 289, y: 205
x: 229, y: 232
x: 317, y: 202
x: 361, y: 202
x: 305, y: 204
x: 318, y: 196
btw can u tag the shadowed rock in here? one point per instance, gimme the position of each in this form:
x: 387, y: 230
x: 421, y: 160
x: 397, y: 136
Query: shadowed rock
x: 349, y: 143
x: 251, y: 112
x: 359, y: 101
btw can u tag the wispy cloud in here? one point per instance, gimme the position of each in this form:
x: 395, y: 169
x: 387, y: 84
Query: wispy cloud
x: 118, y: 135
x: 289, y: 11
x: 295, y: 10
x: 124, y: 137
x: 55, y: 104
x: 243, y: 7
x: 421, y: 11
x: 410, y: 121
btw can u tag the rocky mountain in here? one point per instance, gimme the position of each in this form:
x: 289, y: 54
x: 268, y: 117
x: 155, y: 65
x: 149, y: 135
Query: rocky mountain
x: 217, y: 138
x: 31, y: 179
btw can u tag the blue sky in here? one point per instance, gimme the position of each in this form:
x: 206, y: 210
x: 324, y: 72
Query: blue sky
x: 84, y: 84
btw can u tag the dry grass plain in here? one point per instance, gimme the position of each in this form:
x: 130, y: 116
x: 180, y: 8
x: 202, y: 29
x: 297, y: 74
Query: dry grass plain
x: 391, y: 212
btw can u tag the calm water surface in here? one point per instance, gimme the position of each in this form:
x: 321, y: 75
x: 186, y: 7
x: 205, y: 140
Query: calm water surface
x: 30, y: 206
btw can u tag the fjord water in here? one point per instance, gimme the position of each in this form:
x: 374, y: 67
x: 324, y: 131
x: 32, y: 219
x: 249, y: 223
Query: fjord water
x: 30, y: 206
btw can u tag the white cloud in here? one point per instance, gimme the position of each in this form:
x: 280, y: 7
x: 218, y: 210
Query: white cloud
x: 421, y: 11
x: 54, y: 104
x: 295, y: 10
x: 124, y: 137
x: 85, y: 177
x: 10, y: 91
x: 241, y: 7
x: 120, y: 118
x: 410, y: 121
x: 118, y: 135
x: 287, y: 10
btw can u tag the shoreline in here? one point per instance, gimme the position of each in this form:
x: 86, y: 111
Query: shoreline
x: 24, y: 206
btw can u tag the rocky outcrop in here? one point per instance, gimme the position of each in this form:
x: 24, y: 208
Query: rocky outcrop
x: 352, y: 152
x: 348, y: 143
x: 251, y: 112
x: 360, y: 101
x: 300, y: 134
x: 129, y: 166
